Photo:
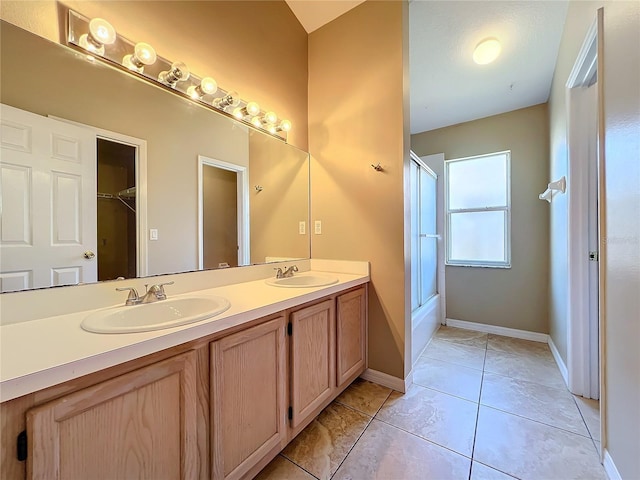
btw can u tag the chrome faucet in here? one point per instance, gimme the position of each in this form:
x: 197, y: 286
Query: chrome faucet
x: 287, y: 273
x: 155, y: 293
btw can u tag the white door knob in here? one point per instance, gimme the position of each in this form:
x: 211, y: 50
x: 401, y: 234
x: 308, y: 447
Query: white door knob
x: 89, y: 255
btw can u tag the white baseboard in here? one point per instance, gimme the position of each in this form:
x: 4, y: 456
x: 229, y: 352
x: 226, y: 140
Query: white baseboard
x: 504, y: 331
x: 610, y: 467
x: 387, y: 380
x: 556, y: 355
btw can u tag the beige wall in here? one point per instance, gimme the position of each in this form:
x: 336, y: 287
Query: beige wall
x: 282, y: 203
x: 514, y: 297
x: 219, y: 217
x: 257, y: 48
x: 357, y: 106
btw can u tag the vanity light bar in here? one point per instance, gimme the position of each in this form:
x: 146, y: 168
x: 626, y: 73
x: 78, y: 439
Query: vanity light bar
x: 98, y: 38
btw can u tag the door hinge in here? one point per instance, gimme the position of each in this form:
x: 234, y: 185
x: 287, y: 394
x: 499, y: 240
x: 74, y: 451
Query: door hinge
x: 289, y: 328
x: 593, y: 256
x: 290, y: 413
x: 22, y: 446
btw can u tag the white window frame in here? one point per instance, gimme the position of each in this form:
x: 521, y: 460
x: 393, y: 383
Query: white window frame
x: 507, y: 209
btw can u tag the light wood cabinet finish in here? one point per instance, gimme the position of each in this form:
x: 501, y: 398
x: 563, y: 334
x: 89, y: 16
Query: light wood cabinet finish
x: 139, y: 425
x: 248, y: 396
x: 312, y: 362
x: 351, y: 332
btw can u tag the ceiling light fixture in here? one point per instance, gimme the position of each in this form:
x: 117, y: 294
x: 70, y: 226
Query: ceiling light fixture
x: 179, y: 73
x: 487, y: 51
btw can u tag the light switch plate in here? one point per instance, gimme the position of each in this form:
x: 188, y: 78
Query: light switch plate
x: 318, y: 227
x: 302, y: 228
x: 153, y: 234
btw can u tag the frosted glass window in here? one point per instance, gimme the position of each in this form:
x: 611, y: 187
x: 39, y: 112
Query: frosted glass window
x: 479, y: 236
x: 478, y: 182
x: 478, y: 211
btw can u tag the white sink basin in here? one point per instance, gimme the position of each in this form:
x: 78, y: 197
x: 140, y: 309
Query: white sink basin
x: 155, y: 316
x: 302, y: 281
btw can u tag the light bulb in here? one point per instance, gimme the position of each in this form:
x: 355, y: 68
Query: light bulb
x: 255, y: 121
x: 179, y: 73
x: 238, y: 113
x: 487, y: 51
x: 285, y: 125
x: 207, y: 86
x: 270, y: 118
x: 144, y: 54
x: 252, y: 108
x: 101, y: 33
x: 272, y: 129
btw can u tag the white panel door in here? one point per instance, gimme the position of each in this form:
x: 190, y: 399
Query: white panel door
x: 48, y: 202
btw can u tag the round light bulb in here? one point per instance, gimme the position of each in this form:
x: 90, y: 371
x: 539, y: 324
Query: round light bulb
x: 238, y: 113
x: 127, y: 62
x: 102, y: 31
x: 253, y: 108
x: 145, y: 53
x: 271, y: 117
x: 487, y: 51
x: 193, y: 92
x: 272, y: 129
x: 255, y: 121
x: 180, y: 70
x: 285, y: 125
x: 208, y: 85
x: 84, y: 42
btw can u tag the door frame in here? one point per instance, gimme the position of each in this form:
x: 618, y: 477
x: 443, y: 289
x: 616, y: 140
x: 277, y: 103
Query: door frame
x: 140, y: 145
x: 242, y: 172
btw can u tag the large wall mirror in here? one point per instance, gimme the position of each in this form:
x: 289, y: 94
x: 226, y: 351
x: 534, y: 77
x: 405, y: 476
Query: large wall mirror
x: 105, y: 176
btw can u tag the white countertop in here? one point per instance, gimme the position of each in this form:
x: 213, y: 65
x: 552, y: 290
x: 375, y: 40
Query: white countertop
x: 40, y: 353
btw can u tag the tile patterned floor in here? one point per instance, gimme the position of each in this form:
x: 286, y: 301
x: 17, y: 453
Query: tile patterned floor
x: 482, y: 407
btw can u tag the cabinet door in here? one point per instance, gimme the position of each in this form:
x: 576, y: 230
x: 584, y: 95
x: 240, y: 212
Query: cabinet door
x: 351, y: 336
x: 312, y: 359
x: 139, y: 425
x: 248, y: 391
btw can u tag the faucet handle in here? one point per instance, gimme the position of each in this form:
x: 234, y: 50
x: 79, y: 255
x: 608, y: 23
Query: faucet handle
x: 132, y: 298
x: 279, y: 273
x: 161, y: 287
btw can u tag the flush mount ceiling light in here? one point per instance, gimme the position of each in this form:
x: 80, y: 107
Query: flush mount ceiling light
x: 97, y: 36
x: 487, y: 51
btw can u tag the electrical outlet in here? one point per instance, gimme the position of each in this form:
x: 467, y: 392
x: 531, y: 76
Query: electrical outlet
x: 318, y: 227
x: 302, y: 228
x: 153, y: 234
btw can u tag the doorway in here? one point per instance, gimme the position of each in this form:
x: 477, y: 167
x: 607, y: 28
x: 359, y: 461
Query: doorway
x: 223, y: 214
x: 116, y: 210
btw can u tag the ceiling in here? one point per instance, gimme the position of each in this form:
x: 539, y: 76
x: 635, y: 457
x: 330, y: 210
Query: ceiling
x: 448, y: 88
x: 313, y: 14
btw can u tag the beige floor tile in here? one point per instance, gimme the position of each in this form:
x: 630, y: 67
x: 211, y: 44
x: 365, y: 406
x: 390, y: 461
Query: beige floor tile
x: 463, y: 336
x: 448, y: 378
x: 553, y: 406
x: 590, y: 410
x: 321, y: 447
x: 530, y: 450
x: 366, y: 397
x: 517, y: 346
x: 460, y: 354
x: 282, y: 469
x: 530, y: 368
x: 482, y: 472
x: 443, y: 419
x: 387, y: 453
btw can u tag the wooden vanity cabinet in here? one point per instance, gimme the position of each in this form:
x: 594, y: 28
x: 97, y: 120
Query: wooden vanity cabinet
x: 312, y: 360
x: 139, y: 425
x: 248, y: 398
x: 351, y: 336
